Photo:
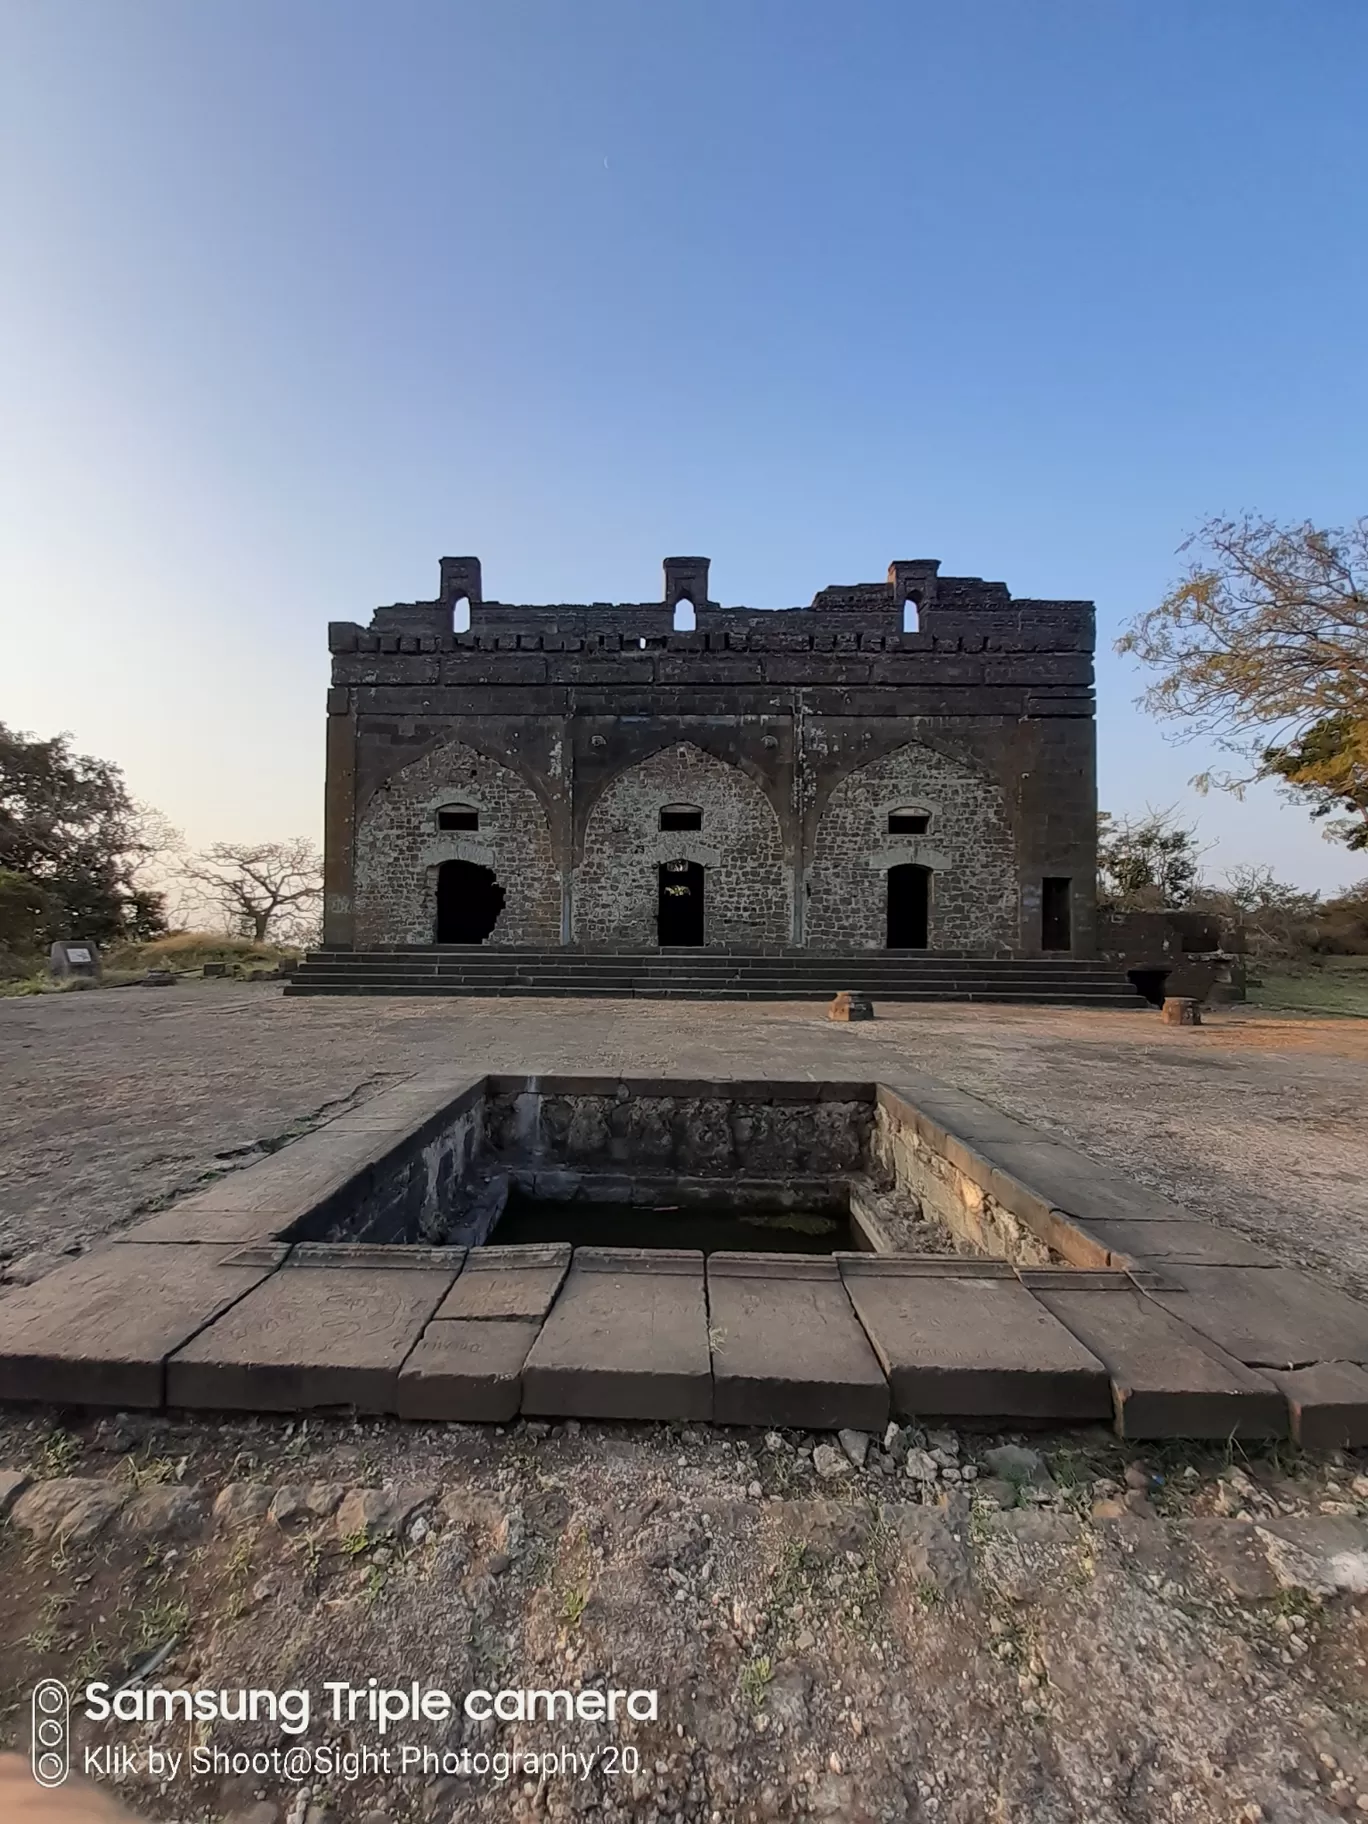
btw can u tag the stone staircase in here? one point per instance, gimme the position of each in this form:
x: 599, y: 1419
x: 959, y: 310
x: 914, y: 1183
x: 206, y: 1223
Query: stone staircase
x: 714, y: 975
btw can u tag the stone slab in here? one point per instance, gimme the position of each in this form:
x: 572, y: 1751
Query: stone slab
x: 1327, y: 1404
x: 187, y: 1223
x: 401, y: 1256
x: 981, y: 1347
x: 934, y: 1110
x: 787, y: 1348
x: 926, y: 1266
x: 507, y: 1284
x: 98, y: 1333
x: 1055, y: 1176
x: 311, y: 1336
x: 1167, y: 1382
x: 626, y: 1339
x: 1189, y: 1242
x: 309, y: 1172
x: 466, y: 1369
x: 1268, y: 1317
x: 407, y: 1107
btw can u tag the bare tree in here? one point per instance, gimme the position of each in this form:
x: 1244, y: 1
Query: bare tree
x: 261, y: 887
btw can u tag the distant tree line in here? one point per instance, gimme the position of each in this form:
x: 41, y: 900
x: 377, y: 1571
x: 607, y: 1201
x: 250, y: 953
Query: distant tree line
x: 1153, y: 863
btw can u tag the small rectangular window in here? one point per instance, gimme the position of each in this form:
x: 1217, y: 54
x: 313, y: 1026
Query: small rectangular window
x: 458, y: 820
x: 681, y: 820
x: 908, y: 823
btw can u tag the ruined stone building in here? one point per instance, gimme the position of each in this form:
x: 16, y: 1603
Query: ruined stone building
x: 903, y: 765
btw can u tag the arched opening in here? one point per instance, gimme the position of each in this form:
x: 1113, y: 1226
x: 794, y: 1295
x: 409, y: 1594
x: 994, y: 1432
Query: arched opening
x: 681, y: 817
x: 685, y: 620
x: 460, y: 615
x: 469, y: 901
x: 679, y: 909
x: 909, y: 906
x: 911, y: 616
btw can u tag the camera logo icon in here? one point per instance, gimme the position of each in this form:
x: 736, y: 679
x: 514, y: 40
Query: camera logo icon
x: 51, y: 1743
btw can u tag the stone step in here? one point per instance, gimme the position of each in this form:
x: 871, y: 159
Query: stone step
x: 719, y: 971
x: 712, y: 974
x: 790, y: 992
x: 705, y: 960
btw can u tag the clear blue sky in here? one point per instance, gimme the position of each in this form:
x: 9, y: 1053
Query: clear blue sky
x: 301, y: 295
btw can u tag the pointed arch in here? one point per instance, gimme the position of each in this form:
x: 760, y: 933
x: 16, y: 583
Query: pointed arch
x: 866, y: 830
x: 403, y: 841
x: 738, y: 843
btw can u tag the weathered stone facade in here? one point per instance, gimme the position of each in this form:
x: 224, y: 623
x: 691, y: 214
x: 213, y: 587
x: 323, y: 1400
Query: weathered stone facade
x: 399, y: 848
x: 739, y: 845
x: 541, y: 747
x: 967, y: 846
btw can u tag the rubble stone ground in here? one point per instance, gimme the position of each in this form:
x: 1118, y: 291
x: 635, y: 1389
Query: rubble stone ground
x: 925, y: 1624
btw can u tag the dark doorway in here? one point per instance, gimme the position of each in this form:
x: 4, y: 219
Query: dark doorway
x: 1149, y: 983
x: 469, y: 900
x: 679, y: 915
x: 909, y: 906
x: 1056, y: 927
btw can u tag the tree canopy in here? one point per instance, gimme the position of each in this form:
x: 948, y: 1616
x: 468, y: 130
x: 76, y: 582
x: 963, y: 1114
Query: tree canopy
x: 69, y: 825
x: 1145, y: 863
x: 1263, y: 645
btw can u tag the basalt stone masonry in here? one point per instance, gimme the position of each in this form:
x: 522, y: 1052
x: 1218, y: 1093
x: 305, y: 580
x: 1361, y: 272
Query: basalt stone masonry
x: 362, y: 1268
x: 906, y: 764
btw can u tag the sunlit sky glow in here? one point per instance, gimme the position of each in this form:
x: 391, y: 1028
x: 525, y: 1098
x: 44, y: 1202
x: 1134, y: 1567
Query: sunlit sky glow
x: 301, y: 295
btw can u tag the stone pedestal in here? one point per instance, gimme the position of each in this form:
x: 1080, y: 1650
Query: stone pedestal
x: 851, y: 1007
x: 1178, y: 1010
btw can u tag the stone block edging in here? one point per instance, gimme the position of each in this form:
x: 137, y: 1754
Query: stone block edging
x: 239, y: 1298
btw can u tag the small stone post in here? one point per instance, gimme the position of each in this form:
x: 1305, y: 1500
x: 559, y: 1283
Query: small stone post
x: 1180, y: 1011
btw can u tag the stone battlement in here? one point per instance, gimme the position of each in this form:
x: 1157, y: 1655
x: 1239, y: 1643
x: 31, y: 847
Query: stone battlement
x: 957, y: 613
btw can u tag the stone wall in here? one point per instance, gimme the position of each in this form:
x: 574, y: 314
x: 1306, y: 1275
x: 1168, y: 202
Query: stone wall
x: 747, y: 894
x: 967, y: 845
x: 399, y: 849
x: 926, y: 1174
x: 795, y: 729
x: 784, y: 1133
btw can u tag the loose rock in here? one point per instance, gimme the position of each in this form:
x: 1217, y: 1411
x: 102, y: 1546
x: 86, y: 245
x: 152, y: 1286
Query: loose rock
x: 856, y: 1446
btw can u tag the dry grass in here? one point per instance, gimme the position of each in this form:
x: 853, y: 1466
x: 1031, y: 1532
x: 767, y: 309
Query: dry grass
x: 186, y: 950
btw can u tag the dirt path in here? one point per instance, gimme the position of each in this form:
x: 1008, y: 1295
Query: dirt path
x: 1095, y: 1640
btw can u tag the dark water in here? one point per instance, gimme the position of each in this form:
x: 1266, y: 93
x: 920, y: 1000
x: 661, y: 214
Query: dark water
x: 626, y: 1225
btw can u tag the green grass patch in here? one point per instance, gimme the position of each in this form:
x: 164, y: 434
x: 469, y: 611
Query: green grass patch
x: 1341, y: 990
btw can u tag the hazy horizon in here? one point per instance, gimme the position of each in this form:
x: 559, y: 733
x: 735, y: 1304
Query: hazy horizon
x: 303, y: 297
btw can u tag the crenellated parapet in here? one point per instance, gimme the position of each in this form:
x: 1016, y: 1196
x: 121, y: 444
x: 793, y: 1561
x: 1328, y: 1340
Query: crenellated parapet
x: 986, y: 652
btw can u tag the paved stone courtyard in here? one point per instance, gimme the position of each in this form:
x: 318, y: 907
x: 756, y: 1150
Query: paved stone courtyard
x: 112, y: 1103
x: 1062, y: 1627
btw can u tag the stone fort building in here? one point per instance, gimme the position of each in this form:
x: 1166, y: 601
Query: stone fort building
x: 903, y: 765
